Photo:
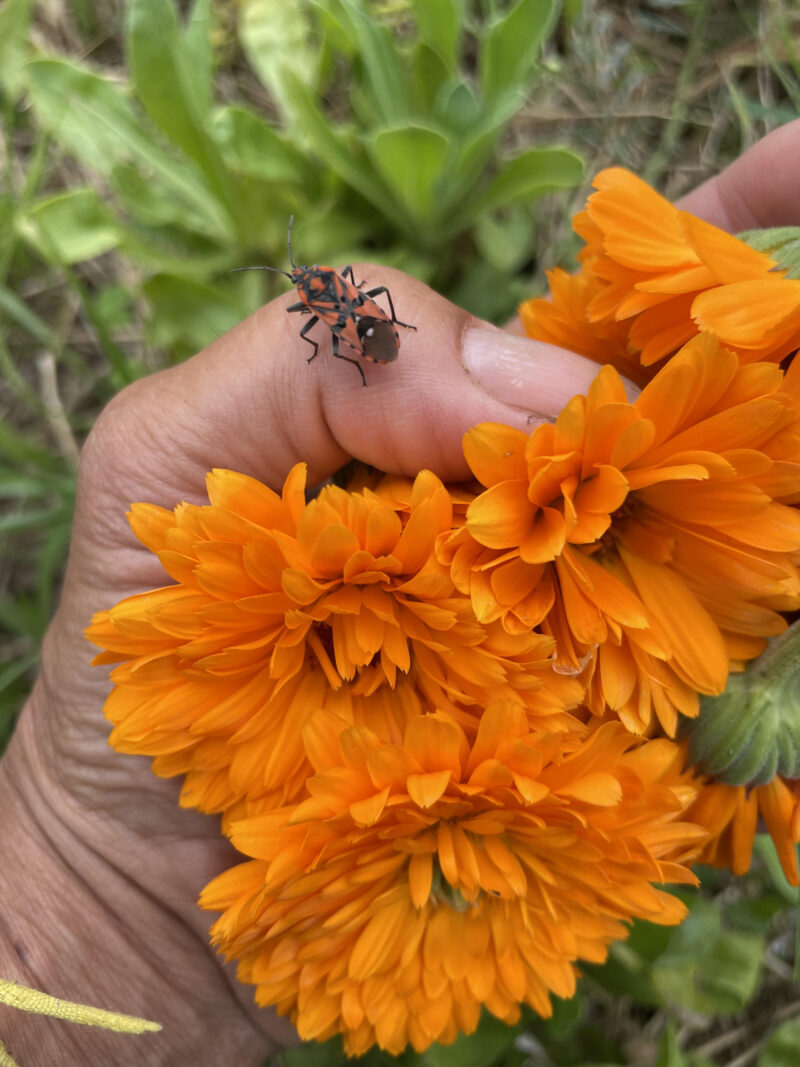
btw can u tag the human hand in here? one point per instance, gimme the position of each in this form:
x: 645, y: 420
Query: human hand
x: 124, y: 931
x: 103, y: 848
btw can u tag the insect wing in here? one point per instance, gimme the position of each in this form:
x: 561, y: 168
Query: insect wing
x: 379, y: 340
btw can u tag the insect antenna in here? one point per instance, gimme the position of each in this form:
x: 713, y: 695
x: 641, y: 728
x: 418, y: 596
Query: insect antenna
x: 276, y: 269
x: 289, y: 243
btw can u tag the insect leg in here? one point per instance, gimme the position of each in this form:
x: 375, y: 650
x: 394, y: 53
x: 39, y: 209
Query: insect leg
x: 382, y: 289
x: 349, y: 270
x: 299, y: 306
x: 311, y: 322
x: 355, y: 362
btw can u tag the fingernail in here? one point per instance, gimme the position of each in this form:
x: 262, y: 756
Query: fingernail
x: 528, y: 374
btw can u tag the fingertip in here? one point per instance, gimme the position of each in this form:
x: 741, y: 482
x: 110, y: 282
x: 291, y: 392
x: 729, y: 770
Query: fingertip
x: 526, y: 374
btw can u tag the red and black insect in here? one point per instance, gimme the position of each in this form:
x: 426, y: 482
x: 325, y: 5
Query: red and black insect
x: 351, y: 314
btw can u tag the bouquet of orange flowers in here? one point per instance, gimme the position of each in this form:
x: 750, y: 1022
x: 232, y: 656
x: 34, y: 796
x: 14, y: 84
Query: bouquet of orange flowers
x: 462, y: 733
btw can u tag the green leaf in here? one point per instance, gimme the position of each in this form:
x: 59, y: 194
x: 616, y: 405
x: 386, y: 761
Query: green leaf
x: 159, y: 63
x: 329, y: 145
x: 19, y: 312
x: 694, y: 937
x: 386, y: 83
x: 22, y: 616
x: 197, y: 50
x: 8, y: 211
x: 50, y: 559
x: 170, y: 250
x: 149, y: 200
x: 625, y: 973
x: 20, y: 450
x: 428, y: 76
x: 251, y: 147
x: 706, y: 968
x: 15, y: 17
x: 506, y: 243
x: 93, y: 120
x: 316, y: 1054
x: 11, y: 671
x: 512, y: 44
x: 484, y: 1047
x: 532, y: 174
x: 411, y: 160
x: 71, y: 226
x: 458, y: 107
x: 339, y: 35
x: 573, y: 9
x: 277, y: 39
x: 439, y: 26
x: 783, y: 1047
x: 476, y: 150
x: 669, y: 1052
x: 33, y: 519
x: 189, y: 315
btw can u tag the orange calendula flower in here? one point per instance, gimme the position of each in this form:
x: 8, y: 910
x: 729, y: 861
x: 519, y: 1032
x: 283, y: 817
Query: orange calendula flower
x: 281, y: 606
x: 650, y: 539
x: 731, y: 814
x: 562, y: 319
x: 422, y: 880
x: 653, y: 276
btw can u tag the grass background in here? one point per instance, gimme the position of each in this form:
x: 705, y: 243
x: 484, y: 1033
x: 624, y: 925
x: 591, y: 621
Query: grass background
x: 148, y: 148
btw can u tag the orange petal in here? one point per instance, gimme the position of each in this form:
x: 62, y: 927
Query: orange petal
x: 745, y: 313
x: 426, y: 789
x: 502, y: 516
x: 697, y: 645
x: 332, y: 549
x: 640, y: 227
x: 727, y: 257
x: 598, y: 788
x: 420, y: 878
x: 495, y: 453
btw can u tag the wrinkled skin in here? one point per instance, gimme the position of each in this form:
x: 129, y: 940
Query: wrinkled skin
x: 101, y: 867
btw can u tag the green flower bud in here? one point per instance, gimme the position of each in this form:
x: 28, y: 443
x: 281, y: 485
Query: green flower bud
x: 751, y: 732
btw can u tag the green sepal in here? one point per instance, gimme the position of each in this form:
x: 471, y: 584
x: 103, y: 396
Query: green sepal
x: 781, y: 243
x: 751, y: 732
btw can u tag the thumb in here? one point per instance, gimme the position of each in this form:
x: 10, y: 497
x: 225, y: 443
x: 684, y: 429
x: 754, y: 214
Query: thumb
x: 253, y: 402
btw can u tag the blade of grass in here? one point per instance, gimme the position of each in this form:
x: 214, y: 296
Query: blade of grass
x: 34, y: 174
x: 679, y: 112
x: 160, y: 65
x: 12, y: 377
x: 12, y: 671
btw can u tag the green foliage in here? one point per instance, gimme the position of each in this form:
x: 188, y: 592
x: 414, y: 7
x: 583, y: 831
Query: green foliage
x: 382, y: 135
x: 194, y: 189
x: 783, y: 1047
x: 36, y: 500
x: 413, y: 132
x: 71, y: 226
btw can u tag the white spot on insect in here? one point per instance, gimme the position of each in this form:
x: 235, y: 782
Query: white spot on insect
x: 370, y: 331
